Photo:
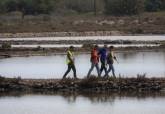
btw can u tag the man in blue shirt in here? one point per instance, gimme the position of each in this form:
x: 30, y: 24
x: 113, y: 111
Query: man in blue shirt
x: 103, y: 57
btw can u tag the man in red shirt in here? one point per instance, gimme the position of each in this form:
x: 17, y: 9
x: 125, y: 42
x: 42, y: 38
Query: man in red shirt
x: 94, y: 61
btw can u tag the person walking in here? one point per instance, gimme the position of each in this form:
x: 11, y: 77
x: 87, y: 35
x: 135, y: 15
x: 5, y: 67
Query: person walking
x: 70, y: 62
x: 103, y: 59
x: 110, y: 61
x: 94, y: 61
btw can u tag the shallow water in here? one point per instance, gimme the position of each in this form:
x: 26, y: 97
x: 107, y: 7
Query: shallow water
x: 130, y: 64
x: 138, y: 38
x: 82, y: 104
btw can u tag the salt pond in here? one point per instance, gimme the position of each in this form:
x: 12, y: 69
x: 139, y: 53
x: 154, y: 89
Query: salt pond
x: 130, y: 64
x: 131, y: 38
x: 80, y: 45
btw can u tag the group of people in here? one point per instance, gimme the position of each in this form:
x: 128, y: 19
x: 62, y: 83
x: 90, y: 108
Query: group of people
x: 104, y: 55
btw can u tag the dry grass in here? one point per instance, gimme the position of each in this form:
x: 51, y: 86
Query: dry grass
x: 145, y: 23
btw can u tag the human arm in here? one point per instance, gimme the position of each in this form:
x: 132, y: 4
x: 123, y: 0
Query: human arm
x: 116, y: 59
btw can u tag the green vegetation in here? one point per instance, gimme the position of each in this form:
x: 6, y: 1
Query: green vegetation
x: 110, y: 7
x: 154, y: 5
x: 6, y: 46
x: 27, y: 6
x: 124, y: 7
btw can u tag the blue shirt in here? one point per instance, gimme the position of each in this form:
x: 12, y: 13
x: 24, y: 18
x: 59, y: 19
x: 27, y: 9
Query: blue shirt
x: 103, y: 53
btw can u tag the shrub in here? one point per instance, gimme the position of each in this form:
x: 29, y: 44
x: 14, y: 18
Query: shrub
x: 6, y: 46
x: 141, y: 76
x: 153, y: 5
x: 1, y: 78
x: 123, y: 7
x: 27, y: 6
x: 137, y: 31
x: 16, y: 80
x: 87, y: 45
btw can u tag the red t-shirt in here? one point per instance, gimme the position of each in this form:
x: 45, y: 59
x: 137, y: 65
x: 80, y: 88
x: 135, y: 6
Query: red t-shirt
x: 94, y: 56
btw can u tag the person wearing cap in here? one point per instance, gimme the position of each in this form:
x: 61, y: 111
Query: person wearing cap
x: 70, y: 62
x: 110, y: 61
x: 94, y: 61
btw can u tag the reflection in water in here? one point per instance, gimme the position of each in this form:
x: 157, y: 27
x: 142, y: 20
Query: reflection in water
x: 94, y: 97
x: 73, y: 103
x: 130, y: 64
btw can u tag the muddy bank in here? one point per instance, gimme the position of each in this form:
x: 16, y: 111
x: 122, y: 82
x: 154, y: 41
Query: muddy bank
x: 92, y: 84
x: 40, y: 46
x: 77, y: 40
x: 60, y: 34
